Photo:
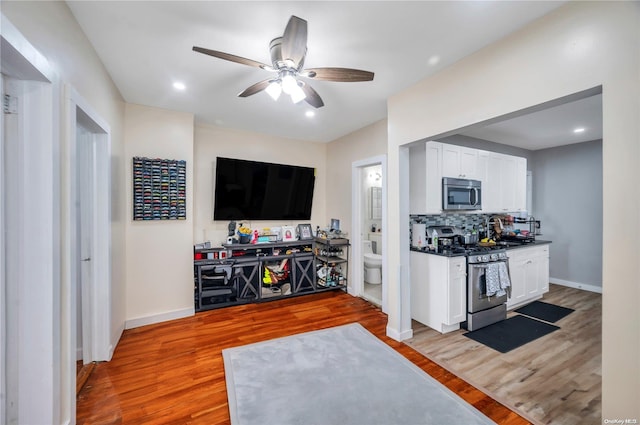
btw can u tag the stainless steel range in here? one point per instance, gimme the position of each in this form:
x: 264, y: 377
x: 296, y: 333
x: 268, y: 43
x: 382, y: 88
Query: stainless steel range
x: 488, y: 286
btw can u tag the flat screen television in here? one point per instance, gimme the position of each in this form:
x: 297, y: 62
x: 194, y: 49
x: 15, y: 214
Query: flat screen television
x: 251, y: 190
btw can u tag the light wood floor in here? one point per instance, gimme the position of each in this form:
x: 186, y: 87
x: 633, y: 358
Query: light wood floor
x: 553, y: 380
x: 172, y: 373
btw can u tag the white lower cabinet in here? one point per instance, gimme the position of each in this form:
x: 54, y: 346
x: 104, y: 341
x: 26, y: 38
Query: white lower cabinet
x: 438, y: 286
x: 529, y: 272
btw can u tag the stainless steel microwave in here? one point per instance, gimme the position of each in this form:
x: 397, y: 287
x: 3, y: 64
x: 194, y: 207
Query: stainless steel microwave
x: 461, y: 194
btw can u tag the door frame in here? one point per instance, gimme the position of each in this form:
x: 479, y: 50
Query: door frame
x: 96, y: 300
x: 31, y: 227
x: 96, y: 316
x: 358, y: 198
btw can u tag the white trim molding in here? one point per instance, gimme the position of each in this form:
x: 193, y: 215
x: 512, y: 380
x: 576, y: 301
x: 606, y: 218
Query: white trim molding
x: 158, y: 318
x: 576, y: 285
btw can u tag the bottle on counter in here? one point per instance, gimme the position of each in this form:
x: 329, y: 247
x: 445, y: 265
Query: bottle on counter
x: 434, y: 239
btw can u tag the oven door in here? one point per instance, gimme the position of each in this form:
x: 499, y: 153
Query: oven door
x: 477, y: 299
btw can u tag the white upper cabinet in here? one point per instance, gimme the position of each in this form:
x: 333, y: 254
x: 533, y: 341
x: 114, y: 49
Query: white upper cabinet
x: 459, y: 162
x: 425, y: 182
x: 504, y: 185
x: 503, y: 177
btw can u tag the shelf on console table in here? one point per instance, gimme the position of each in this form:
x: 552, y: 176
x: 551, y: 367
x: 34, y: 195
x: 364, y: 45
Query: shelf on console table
x: 248, y: 272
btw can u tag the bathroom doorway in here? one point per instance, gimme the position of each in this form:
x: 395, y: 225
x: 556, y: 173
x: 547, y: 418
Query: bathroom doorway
x: 369, y: 224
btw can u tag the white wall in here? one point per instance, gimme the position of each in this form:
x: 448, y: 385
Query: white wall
x: 365, y: 143
x: 575, y: 48
x: 52, y: 30
x: 160, y: 261
x: 567, y: 198
x: 212, y: 141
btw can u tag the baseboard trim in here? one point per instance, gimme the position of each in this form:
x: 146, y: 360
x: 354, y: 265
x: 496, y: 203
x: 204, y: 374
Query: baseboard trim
x: 399, y: 336
x: 576, y: 285
x: 157, y: 318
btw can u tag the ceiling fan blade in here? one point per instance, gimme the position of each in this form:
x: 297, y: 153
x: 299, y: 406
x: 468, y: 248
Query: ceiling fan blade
x: 337, y: 74
x: 232, y: 58
x: 313, y: 98
x: 294, y: 40
x: 256, y: 88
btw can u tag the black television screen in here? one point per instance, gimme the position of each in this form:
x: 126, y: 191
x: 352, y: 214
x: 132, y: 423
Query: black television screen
x: 251, y: 190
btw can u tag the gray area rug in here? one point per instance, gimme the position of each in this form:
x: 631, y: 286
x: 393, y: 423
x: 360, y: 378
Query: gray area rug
x: 336, y: 376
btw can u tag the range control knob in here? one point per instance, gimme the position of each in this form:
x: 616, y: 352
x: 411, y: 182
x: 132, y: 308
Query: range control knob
x: 485, y: 258
x: 479, y: 258
x: 494, y: 257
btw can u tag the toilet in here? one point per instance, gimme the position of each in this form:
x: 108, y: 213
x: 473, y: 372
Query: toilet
x: 372, y: 264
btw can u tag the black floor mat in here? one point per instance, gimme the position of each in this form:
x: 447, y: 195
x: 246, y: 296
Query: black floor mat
x: 511, y: 333
x: 544, y: 311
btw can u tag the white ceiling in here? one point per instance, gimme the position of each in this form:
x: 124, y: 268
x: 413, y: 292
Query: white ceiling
x: 547, y: 128
x: 146, y: 46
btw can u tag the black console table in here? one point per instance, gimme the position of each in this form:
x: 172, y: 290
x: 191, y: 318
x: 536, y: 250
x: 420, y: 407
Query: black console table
x: 247, y: 273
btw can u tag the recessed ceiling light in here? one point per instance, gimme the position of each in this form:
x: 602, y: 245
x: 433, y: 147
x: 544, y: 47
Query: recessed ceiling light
x: 310, y: 113
x: 179, y: 86
x: 578, y: 130
x: 433, y: 60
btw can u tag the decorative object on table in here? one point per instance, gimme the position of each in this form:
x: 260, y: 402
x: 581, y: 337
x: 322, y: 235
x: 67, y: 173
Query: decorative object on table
x: 335, y: 225
x: 232, y: 228
x: 277, y: 231
x: 244, y: 234
x: 288, y: 233
x: 305, y: 232
x: 159, y: 189
x: 344, y: 368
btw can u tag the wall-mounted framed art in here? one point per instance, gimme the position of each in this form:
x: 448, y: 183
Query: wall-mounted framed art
x: 159, y: 189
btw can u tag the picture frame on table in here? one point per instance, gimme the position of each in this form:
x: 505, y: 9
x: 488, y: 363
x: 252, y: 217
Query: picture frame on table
x: 288, y: 233
x: 305, y: 232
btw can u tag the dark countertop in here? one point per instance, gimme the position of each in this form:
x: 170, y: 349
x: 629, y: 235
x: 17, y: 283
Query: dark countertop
x: 452, y: 253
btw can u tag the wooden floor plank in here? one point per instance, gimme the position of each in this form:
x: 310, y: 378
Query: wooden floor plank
x: 173, y: 373
x: 553, y: 380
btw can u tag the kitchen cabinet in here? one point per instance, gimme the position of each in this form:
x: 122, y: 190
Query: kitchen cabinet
x: 529, y: 272
x: 425, y: 182
x: 504, y: 183
x: 503, y: 177
x: 460, y: 162
x: 438, y: 291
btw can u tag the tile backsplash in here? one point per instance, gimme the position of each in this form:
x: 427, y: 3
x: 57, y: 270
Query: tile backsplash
x: 452, y: 219
x: 461, y: 220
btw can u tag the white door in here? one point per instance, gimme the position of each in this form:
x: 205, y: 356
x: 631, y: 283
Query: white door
x: 85, y: 238
x: 91, y: 244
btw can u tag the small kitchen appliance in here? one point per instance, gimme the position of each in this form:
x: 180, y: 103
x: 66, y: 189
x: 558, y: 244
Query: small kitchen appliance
x: 461, y: 194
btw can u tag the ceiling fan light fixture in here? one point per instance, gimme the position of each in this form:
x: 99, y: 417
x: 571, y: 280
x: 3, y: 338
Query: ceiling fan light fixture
x: 289, y: 83
x: 297, y: 94
x: 274, y: 89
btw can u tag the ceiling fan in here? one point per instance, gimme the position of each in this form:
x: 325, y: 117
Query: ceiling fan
x: 287, y: 60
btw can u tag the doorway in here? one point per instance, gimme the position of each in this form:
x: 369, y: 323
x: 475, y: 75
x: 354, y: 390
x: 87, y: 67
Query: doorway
x: 29, y: 303
x: 89, y: 225
x: 369, y: 222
